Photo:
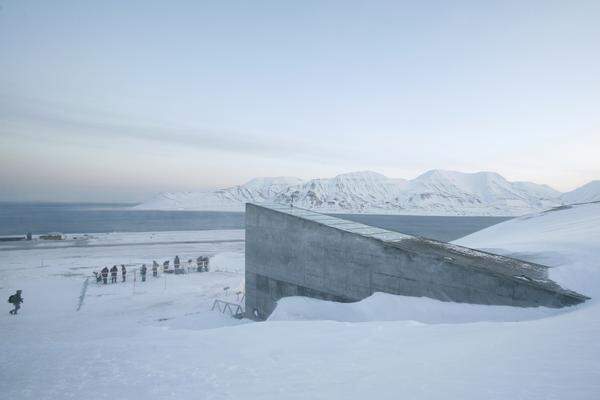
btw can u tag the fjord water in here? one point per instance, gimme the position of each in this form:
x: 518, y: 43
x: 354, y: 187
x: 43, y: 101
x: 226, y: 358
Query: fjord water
x: 38, y: 218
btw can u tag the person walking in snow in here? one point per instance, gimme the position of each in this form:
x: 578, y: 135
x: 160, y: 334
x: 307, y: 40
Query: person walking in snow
x: 104, y: 274
x: 201, y: 263
x: 113, y: 274
x: 176, y: 262
x: 143, y: 272
x: 123, y: 272
x: 155, y: 269
x: 15, y: 300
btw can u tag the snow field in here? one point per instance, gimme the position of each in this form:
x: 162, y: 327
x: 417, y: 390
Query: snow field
x: 164, y: 343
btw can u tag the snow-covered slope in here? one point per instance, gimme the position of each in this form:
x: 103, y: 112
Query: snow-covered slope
x: 229, y: 199
x: 435, y: 192
x: 353, y: 192
x: 566, y: 238
x: 586, y: 193
x: 481, y: 193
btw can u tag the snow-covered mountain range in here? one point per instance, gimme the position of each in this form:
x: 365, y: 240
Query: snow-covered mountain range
x: 436, y: 192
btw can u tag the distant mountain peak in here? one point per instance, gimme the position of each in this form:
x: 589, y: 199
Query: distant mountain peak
x: 361, y: 175
x: 276, y: 180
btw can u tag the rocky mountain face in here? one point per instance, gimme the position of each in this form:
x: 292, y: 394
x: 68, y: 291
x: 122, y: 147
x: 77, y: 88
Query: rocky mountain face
x: 436, y: 192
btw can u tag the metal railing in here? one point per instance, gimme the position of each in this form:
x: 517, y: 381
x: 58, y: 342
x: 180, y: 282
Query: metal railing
x: 234, y: 310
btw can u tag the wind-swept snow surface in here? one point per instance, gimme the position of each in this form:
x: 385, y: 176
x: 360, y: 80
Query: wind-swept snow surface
x: 435, y: 192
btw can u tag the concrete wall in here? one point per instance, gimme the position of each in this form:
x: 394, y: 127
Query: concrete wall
x: 293, y: 252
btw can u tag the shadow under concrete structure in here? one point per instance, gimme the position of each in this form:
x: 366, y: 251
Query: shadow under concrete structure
x: 296, y: 252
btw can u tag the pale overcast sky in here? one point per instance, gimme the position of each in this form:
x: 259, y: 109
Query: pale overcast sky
x: 117, y: 100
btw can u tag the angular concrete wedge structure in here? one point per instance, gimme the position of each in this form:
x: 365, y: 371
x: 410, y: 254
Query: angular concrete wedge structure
x: 296, y: 252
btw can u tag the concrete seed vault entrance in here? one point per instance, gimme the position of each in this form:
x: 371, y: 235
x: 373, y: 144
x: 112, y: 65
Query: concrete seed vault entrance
x: 296, y: 252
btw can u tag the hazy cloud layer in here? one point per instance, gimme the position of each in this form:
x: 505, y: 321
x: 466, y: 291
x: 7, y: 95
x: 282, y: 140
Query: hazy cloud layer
x: 119, y: 100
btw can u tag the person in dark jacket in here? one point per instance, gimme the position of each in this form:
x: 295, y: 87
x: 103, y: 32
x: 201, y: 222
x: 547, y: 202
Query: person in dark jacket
x: 123, y: 272
x: 104, y: 274
x: 176, y: 262
x: 155, y: 269
x: 113, y: 274
x: 143, y: 271
x: 16, y: 301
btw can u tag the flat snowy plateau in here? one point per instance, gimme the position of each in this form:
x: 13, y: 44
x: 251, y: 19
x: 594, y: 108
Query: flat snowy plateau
x: 159, y: 339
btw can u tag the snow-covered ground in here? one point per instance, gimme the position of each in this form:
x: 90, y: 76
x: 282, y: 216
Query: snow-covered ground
x: 160, y: 340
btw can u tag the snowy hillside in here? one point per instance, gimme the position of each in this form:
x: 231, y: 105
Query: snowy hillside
x: 482, y: 193
x: 566, y: 238
x: 229, y: 199
x: 353, y: 192
x: 586, y: 193
x: 435, y: 192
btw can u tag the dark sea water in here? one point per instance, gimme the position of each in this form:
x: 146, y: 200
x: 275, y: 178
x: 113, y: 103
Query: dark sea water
x: 37, y: 218
x: 434, y: 227
x: 19, y: 218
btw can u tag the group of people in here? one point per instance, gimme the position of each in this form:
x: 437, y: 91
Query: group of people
x: 102, y: 276
x: 201, y: 265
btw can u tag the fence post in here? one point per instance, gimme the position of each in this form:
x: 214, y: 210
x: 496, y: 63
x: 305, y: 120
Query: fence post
x: 82, y: 294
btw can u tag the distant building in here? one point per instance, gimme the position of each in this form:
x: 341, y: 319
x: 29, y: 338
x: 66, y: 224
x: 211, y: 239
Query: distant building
x: 52, y: 236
